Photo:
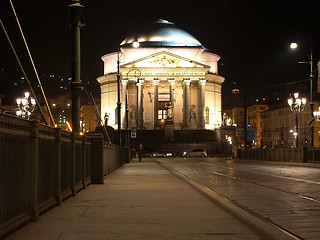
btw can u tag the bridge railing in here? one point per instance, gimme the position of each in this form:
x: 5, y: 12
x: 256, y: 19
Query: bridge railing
x: 302, y: 154
x: 40, y: 166
x: 105, y: 157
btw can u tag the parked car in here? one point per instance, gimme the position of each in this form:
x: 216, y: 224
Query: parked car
x: 161, y: 153
x: 195, y: 153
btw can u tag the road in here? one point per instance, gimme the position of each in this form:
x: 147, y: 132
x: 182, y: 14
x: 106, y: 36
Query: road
x: 286, y: 194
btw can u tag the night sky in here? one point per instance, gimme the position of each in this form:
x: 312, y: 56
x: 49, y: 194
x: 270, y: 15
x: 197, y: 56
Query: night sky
x: 252, y: 37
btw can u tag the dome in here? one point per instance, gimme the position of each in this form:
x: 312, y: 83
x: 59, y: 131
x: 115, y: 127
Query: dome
x: 162, y: 33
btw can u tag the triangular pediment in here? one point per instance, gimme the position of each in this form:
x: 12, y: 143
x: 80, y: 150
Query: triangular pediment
x: 164, y: 59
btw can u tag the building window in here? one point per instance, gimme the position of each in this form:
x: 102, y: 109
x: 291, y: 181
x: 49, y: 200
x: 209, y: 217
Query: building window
x: 162, y: 114
x: 206, y: 115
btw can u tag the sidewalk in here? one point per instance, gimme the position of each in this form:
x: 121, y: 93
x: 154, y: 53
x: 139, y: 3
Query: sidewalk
x: 141, y: 200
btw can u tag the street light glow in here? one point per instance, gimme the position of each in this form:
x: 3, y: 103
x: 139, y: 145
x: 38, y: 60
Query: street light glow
x: 135, y: 44
x: 26, y: 106
x: 293, y: 45
x: 298, y: 100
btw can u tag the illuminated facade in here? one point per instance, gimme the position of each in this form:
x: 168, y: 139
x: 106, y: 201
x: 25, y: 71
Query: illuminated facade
x: 169, y: 78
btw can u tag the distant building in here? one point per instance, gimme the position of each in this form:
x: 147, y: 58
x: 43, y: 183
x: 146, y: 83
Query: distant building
x: 88, y: 120
x: 279, y: 127
x: 60, y: 107
x: 254, y: 121
x: 274, y: 125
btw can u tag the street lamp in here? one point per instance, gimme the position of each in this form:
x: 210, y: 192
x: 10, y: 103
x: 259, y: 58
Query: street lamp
x: 118, y: 87
x: 294, y: 45
x: 137, y: 75
x: 26, y: 106
x: 135, y: 44
x: 296, y: 105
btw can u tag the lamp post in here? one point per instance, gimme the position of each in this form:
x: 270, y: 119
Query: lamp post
x: 76, y: 86
x: 294, y: 45
x: 118, y: 102
x: 135, y: 44
x: 26, y: 106
x: 137, y: 75
x: 296, y: 105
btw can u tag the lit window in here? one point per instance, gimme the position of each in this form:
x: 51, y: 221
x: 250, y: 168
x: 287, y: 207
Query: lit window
x: 162, y: 114
x: 206, y: 116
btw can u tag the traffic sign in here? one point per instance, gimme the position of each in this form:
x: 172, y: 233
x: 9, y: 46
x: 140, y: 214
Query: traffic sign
x: 311, y: 122
x: 133, y: 133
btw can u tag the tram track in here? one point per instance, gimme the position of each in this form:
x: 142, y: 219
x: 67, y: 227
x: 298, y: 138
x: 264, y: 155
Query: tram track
x: 266, y: 186
x: 277, y: 176
x: 262, y: 224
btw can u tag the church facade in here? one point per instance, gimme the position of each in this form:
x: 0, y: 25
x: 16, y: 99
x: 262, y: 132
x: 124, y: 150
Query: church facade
x: 169, y: 79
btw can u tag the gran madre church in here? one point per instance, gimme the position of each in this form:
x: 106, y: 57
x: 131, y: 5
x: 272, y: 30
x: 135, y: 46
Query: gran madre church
x: 170, y: 80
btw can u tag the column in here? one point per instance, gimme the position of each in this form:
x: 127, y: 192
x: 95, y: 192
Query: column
x: 171, y: 115
x: 186, y: 105
x: 201, y: 104
x: 155, y: 102
x: 171, y: 81
x: 140, y: 103
x: 125, y: 103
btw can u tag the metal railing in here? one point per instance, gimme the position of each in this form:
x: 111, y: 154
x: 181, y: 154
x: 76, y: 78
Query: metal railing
x: 40, y: 166
x: 105, y: 157
x: 303, y: 154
